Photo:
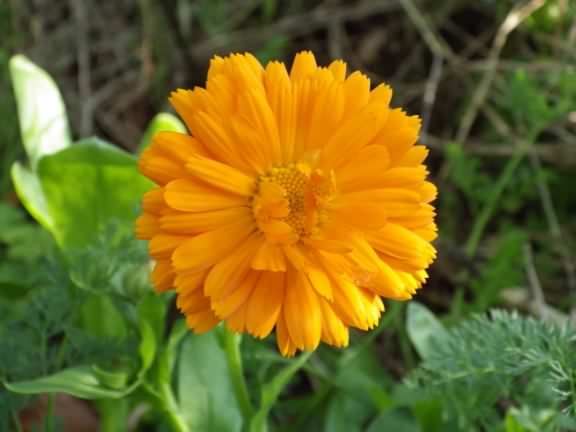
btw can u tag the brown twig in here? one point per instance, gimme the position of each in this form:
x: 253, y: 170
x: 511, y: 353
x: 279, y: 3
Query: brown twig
x: 432, y: 40
x: 559, y: 154
x: 553, y: 224
x: 182, y: 43
x: 512, y: 20
x: 534, y: 280
x: 430, y: 94
x: 520, y: 298
x: 292, y: 26
x: 335, y: 31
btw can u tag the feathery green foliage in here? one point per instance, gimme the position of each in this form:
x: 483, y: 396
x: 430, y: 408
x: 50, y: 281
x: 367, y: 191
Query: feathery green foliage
x: 492, y: 362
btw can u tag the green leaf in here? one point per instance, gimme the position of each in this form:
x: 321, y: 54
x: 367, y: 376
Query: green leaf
x: 428, y: 412
x: 147, y: 348
x: 30, y: 193
x: 394, y: 420
x: 161, y: 122
x: 271, y: 390
x: 152, y: 313
x: 346, y: 414
x: 205, y: 391
x: 102, y: 318
x: 41, y: 110
x: 423, y: 327
x: 116, y: 379
x: 82, y: 382
x: 87, y: 186
x: 512, y: 424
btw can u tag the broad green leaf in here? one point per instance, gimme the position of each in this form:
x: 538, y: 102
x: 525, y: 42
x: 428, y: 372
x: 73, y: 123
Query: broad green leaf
x: 271, y: 390
x: 423, y: 327
x: 205, y: 392
x: 31, y: 195
x: 41, y: 110
x: 161, y: 122
x: 428, y: 412
x: 87, y: 186
x: 394, y: 420
x: 82, y: 382
x: 347, y: 414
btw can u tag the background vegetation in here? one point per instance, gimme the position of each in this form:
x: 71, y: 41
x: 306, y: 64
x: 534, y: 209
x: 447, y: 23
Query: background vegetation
x: 489, y: 344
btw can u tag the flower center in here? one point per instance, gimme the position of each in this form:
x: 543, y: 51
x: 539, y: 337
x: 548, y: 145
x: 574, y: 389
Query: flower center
x: 289, y: 202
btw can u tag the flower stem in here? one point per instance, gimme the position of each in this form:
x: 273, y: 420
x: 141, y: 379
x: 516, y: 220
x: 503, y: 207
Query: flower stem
x: 232, y: 348
x: 492, y: 203
x: 172, y: 410
x: 113, y: 414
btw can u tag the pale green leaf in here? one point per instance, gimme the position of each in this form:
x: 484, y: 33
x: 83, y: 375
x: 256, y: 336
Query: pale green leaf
x: 82, y: 382
x: 31, y: 195
x: 205, y: 392
x: 423, y: 327
x: 161, y: 122
x: 87, y: 186
x: 41, y: 110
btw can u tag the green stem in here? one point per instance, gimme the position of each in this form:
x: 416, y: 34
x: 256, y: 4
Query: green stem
x: 113, y: 414
x: 16, y: 420
x: 49, y: 420
x: 165, y: 370
x: 491, y: 206
x: 232, y: 348
x: 172, y: 410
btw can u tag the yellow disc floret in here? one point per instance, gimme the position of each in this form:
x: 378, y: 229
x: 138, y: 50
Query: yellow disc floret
x: 287, y: 202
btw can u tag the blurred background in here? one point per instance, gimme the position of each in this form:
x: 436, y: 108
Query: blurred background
x: 493, y: 80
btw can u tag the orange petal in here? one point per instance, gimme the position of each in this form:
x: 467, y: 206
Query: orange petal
x: 163, y: 276
x: 302, y: 312
x: 265, y: 304
x: 195, y: 196
x: 206, y: 249
x: 303, y: 66
x: 195, y: 223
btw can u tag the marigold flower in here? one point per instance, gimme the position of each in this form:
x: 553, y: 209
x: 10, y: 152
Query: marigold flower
x: 298, y: 201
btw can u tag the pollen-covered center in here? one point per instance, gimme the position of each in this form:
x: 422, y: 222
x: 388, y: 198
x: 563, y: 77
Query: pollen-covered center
x: 286, y: 203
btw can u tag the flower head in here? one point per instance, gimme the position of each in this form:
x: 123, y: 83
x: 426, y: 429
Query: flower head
x: 298, y: 201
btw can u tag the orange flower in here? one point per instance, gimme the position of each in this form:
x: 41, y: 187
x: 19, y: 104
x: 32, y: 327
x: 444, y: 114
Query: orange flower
x: 298, y: 201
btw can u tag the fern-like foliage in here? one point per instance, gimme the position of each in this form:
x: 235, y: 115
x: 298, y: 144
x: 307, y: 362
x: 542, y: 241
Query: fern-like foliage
x: 492, y: 363
x: 41, y: 325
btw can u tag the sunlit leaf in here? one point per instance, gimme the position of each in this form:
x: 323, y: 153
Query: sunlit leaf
x: 87, y: 186
x: 41, y: 110
x: 31, y: 195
